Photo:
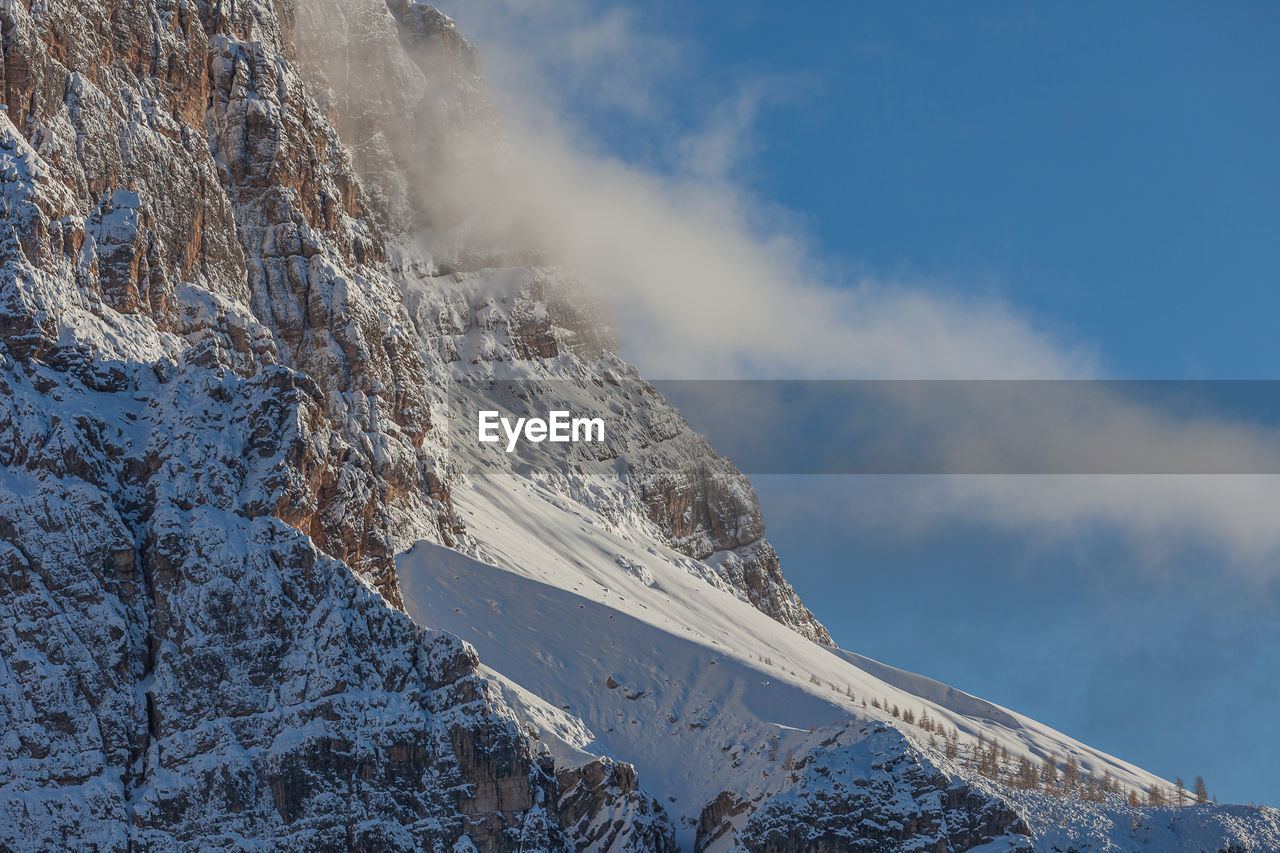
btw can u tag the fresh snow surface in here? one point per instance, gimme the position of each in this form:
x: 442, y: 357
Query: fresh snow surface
x: 710, y: 694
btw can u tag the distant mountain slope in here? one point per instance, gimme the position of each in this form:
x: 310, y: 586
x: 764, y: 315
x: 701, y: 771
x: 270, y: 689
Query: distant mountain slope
x: 639, y: 659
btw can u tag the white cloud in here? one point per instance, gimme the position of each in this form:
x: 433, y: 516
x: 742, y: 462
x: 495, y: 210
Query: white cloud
x: 711, y: 281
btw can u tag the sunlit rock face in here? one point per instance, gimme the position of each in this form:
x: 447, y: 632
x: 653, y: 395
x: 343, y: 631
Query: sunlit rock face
x: 215, y: 433
x: 408, y: 96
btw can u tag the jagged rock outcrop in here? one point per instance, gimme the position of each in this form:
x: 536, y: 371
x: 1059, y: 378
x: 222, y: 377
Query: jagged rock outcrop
x: 185, y: 671
x: 603, y: 806
x: 427, y: 140
x: 864, y: 787
x: 178, y: 163
x: 717, y: 819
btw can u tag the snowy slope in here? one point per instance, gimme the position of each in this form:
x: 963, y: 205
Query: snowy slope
x: 710, y: 694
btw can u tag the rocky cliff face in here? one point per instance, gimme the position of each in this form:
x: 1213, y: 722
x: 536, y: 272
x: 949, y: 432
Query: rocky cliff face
x: 601, y: 803
x: 188, y: 193
x: 428, y: 143
x: 183, y: 670
x: 215, y: 434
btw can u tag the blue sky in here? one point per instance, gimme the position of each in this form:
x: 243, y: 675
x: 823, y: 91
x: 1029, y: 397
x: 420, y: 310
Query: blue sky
x: 1108, y: 173
x: 1171, y: 666
x: 1109, y: 167
x: 1112, y: 169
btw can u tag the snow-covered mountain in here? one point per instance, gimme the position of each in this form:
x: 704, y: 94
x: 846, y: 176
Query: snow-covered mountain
x: 261, y: 592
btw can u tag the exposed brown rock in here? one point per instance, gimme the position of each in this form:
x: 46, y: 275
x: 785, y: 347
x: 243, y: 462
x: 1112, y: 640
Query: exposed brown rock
x: 603, y: 808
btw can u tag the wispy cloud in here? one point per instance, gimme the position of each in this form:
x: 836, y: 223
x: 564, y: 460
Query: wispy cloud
x: 710, y: 280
